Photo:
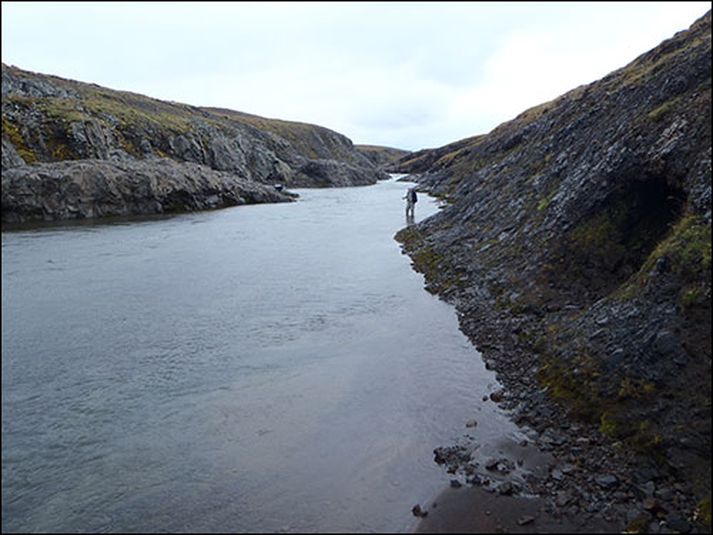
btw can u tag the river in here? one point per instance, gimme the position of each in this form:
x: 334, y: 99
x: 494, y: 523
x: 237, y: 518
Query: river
x: 259, y: 368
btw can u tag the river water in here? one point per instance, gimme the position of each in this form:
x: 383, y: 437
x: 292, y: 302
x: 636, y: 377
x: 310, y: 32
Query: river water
x: 259, y: 368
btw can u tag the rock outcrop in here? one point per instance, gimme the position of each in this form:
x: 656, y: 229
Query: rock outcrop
x: 383, y: 157
x: 96, y: 188
x: 576, y: 246
x: 47, y: 119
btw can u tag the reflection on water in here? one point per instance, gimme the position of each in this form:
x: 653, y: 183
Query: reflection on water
x: 260, y: 368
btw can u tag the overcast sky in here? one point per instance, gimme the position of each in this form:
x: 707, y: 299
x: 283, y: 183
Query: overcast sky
x: 402, y: 74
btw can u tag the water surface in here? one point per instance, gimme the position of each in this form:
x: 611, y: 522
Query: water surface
x: 259, y: 368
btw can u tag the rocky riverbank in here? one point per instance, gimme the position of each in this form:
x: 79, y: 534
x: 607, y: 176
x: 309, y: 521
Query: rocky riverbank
x: 585, y: 480
x: 47, y: 120
x: 576, y: 247
x: 98, y: 188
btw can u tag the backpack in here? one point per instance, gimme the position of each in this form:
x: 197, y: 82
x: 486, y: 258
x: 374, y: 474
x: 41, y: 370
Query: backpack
x: 414, y: 198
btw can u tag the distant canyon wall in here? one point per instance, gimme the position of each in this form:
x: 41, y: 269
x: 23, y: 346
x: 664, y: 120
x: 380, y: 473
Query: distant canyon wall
x: 47, y: 120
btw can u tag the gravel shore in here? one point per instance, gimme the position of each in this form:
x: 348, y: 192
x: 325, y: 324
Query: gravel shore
x: 567, y: 478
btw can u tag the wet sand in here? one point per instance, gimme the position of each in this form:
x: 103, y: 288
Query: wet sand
x: 474, y: 510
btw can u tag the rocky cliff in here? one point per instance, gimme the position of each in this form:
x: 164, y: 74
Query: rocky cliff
x: 80, y: 189
x: 382, y: 156
x: 576, y: 246
x: 47, y: 119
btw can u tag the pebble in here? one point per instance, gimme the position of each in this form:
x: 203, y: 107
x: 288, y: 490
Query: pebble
x: 418, y: 512
x: 607, y: 481
x: 678, y: 524
x: 491, y: 464
x: 527, y: 519
x: 563, y: 499
x: 664, y: 494
x: 650, y: 504
x: 497, y: 396
x: 648, y: 488
x: 568, y: 468
x: 632, y: 514
x: 506, y: 488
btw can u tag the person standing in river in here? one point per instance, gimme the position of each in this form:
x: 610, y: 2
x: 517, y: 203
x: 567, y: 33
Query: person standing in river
x: 411, y: 200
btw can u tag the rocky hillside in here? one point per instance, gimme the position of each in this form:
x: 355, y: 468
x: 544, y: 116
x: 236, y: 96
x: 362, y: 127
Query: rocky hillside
x: 382, y: 156
x: 576, y: 245
x: 47, y: 119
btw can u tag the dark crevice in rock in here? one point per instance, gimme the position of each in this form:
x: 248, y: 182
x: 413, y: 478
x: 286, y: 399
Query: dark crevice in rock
x: 613, y: 241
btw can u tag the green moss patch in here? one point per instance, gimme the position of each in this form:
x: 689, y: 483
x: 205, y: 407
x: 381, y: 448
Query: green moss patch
x: 17, y: 139
x: 576, y: 385
x: 547, y: 200
x: 613, y: 242
x: 133, y: 111
x: 436, y: 269
x: 687, y: 248
x: 573, y: 384
x: 704, y: 511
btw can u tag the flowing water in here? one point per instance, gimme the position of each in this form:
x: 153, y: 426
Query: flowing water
x: 259, y: 368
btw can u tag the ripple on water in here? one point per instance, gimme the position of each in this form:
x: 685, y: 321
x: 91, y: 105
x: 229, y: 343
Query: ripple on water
x: 251, y: 369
